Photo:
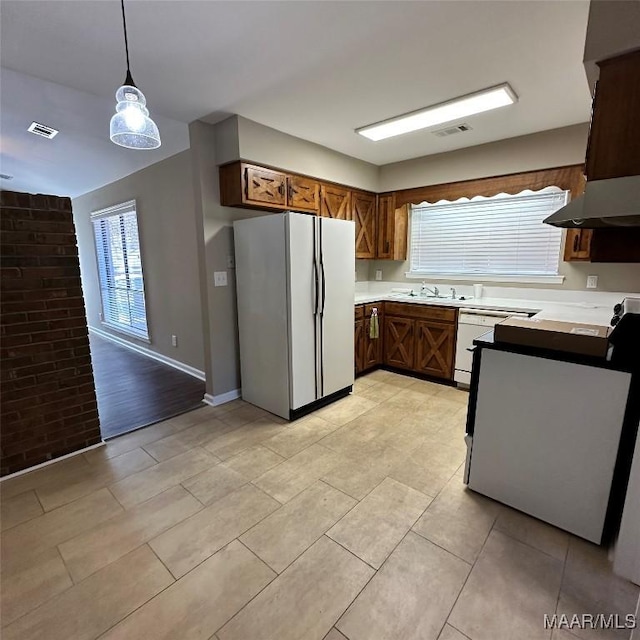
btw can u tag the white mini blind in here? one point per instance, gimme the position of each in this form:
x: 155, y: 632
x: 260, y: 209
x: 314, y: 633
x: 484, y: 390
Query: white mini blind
x: 501, y: 235
x: 120, y: 269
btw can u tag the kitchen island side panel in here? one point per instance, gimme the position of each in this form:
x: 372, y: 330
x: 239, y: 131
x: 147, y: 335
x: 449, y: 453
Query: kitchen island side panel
x: 546, y: 438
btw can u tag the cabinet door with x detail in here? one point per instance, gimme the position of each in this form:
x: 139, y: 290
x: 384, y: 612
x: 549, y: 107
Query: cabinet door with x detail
x: 434, y: 348
x: 398, y: 342
x: 363, y: 207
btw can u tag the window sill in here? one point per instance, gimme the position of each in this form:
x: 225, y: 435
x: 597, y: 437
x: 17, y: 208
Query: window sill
x: 123, y: 331
x: 470, y: 277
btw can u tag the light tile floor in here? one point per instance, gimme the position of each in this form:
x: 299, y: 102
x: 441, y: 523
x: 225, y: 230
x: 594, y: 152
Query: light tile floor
x: 353, y: 523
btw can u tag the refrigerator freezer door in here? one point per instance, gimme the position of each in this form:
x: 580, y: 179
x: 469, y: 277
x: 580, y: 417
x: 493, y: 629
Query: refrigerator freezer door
x: 261, y: 276
x: 337, y: 241
x: 302, y: 296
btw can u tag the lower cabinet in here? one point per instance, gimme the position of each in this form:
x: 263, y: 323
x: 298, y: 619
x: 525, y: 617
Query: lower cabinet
x: 420, y: 338
x: 368, y: 350
x: 398, y: 342
x: 434, y: 348
x: 416, y: 337
x: 358, y: 342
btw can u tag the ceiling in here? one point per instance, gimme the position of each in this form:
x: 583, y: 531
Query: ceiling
x: 316, y: 70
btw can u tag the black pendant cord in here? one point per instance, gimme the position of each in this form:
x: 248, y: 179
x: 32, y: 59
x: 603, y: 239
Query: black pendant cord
x: 129, y: 79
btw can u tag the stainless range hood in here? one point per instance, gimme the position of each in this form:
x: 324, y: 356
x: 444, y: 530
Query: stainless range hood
x: 605, y: 203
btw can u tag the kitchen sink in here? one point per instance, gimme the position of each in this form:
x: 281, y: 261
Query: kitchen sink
x: 408, y: 296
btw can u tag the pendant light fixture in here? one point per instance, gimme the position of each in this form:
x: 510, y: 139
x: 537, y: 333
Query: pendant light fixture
x: 131, y: 125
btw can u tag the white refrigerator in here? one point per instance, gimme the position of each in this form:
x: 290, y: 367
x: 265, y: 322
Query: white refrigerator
x: 295, y: 277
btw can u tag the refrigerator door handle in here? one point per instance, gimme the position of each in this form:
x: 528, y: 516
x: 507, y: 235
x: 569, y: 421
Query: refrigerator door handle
x: 322, y: 275
x: 324, y: 288
x: 316, y: 289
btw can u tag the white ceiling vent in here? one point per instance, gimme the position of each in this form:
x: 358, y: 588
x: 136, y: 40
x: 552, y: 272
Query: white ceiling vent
x: 449, y: 131
x: 42, y: 130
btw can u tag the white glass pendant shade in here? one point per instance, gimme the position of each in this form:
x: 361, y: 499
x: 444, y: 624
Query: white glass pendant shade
x: 131, y: 125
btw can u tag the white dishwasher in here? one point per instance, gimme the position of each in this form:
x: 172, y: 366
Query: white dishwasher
x: 472, y: 323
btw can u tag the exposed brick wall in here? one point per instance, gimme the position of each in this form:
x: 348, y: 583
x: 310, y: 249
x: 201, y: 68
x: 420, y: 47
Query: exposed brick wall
x: 47, y: 393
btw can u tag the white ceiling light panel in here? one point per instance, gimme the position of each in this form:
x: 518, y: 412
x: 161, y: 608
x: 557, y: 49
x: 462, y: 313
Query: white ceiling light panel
x: 463, y: 107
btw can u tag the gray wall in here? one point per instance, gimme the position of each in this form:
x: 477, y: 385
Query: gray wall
x: 265, y: 145
x: 209, y: 143
x: 526, y: 153
x: 167, y: 227
x: 554, y: 148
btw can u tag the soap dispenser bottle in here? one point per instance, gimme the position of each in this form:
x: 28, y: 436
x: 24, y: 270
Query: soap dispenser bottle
x: 423, y: 290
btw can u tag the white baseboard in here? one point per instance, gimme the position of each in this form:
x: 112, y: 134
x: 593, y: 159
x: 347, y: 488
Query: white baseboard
x: 192, y: 371
x: 223, y: 398
x: 53, y: 461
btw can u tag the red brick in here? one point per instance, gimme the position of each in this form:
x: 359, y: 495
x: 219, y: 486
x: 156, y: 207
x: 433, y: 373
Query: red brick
x: 48, y: 396
x: 65, y: 303
x: 41, y: 225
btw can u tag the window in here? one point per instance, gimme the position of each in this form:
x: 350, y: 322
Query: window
x: 499, y: 238
x: 120, y: 269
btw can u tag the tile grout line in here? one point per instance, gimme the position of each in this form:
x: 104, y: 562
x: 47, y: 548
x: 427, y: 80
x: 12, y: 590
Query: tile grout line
x: 564, y: 569
x: 456, y: 628
x: 175, y: 580
x: 527, y: 544
x: 464, y: 584
x: 435, y: 544
x: 32, y: 610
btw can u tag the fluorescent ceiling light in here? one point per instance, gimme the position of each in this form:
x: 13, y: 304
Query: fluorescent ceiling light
x: 463, y: 107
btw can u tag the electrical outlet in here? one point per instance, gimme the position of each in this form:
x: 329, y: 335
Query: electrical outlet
x: 378, y: 274
x: 231, y: 262
x: 592, y: 282
x: 219, y: 278
x: 174, y: 341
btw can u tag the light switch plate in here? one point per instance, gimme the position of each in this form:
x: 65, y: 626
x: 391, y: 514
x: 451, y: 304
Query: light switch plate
x: 592, y: 282
x: 219, y: 278
x: 378, y: 274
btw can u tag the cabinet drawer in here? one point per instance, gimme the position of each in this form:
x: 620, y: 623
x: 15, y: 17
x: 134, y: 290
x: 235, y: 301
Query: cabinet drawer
x: 359, y: 312
x: 422, y: 311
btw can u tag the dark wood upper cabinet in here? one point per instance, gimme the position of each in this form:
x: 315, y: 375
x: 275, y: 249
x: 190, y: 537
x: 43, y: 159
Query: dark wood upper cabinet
x: 250, y: 186
x: 613, y: 151
x: 303, y: 194
x: 363, y: 212
x: 335, y: 202
x: 577, y: 246
x: 392, y: 227
x: 263, y: 186
x: 614, y: 139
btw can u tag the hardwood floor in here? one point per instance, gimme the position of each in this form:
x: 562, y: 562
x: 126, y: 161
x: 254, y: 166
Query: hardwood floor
x: 134, y: 391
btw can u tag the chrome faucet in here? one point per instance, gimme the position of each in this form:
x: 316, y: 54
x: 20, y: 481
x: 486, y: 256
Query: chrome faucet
x: 435, y: 291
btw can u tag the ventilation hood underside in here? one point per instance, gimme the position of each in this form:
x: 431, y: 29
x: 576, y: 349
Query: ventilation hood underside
x: 605, y: 203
